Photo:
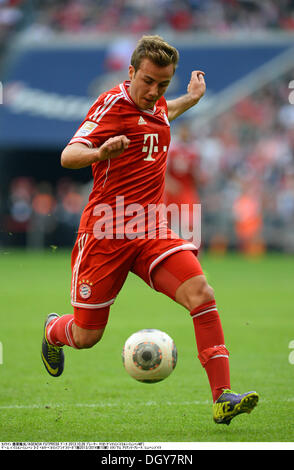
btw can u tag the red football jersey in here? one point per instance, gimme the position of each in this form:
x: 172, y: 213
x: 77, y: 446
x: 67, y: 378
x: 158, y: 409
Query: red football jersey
x: 137, y: 175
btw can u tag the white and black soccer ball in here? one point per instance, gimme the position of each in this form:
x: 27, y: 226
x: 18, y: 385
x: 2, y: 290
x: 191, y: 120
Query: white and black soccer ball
x: 149, y: 355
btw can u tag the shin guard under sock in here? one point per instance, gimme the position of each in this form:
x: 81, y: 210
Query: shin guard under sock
x: 212, y: 352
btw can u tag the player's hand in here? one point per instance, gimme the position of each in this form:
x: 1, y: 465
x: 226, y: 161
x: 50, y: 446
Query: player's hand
x: 113, y: 147
x: 197, y: 86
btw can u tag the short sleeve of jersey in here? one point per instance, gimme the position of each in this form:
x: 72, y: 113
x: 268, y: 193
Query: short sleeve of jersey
x: 102, y: 121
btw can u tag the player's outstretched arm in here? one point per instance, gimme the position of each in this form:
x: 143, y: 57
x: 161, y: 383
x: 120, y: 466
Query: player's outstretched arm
x: 79, y: 155
x: 195, y: 90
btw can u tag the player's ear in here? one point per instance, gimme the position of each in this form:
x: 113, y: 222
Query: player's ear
x: 131, y: 72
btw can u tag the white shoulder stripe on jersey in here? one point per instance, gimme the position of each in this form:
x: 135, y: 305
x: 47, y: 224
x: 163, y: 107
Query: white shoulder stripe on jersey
x: 100, y: 108
x: 109, y: 101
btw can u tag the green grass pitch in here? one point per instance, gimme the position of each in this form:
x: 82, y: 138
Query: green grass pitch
x: 96, y: 401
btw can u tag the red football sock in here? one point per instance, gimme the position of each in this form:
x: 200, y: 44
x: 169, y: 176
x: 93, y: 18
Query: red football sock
x: 213, y: 354
x: 59, y: 331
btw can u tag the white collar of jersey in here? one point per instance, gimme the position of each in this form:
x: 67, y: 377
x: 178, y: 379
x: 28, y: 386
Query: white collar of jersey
x: 123, y: 86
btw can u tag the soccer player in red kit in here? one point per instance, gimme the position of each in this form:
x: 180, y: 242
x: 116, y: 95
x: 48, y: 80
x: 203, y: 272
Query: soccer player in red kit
x: 125, y: 138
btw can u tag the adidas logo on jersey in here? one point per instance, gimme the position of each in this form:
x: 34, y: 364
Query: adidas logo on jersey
x: 141, y: 120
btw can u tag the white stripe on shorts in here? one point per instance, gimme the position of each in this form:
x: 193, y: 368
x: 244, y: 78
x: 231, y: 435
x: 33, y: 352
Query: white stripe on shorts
x: 186, y: 246
x: 81, y: 244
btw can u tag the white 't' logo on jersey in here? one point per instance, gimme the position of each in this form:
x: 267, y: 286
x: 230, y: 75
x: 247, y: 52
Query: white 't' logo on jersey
x: 152, y: 140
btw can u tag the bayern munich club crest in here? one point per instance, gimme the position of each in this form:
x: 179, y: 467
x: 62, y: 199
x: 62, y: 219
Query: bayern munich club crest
x: 85, y: 290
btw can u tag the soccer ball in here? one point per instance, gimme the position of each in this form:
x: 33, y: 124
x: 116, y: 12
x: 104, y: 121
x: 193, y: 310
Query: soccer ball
x: 149, y: 355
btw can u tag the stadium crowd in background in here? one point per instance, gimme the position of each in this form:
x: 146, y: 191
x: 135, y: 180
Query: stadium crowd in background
x: 42, y: 18
x: 248, y: 170
x: 40, y: 214
x: 138, y: 16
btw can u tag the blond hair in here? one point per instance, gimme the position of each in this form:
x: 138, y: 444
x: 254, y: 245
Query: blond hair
x: 156, y: 49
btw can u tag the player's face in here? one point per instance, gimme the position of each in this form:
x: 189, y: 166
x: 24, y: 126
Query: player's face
x: 149, y: 83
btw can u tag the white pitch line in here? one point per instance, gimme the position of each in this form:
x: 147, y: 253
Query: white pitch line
x: 100, y: 405
x: 118, y: 404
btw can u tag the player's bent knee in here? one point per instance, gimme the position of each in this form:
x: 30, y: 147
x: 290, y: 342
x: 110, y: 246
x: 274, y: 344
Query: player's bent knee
x: 207, y: 293
x: 195, y: 291
x: 86, y: 343
x: 86, y: 339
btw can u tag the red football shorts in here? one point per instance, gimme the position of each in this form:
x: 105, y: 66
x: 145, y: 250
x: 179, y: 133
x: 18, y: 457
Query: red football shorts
x: 100, y: 268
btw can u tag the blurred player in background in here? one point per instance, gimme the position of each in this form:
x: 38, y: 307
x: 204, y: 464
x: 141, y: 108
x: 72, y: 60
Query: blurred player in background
x: 182, y: 178
x: 125, y: 137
